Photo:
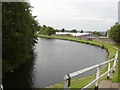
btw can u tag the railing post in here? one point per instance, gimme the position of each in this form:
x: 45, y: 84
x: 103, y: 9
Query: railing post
x: 114, y: 65
x: 108, y: 75
x: 97, y: 76
x: 115, y: 61
x: 1, y: 87
x: 67, y: 82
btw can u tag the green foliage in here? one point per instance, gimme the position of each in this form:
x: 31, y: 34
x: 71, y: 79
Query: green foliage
x: 97, y: 33
x: 63, y: 30
x: 57, y: 30
x: 114, y: 33
x: 50, y: 30
x: 68, y: 35
x: 74, y: 31
x: 42, y: 30
x: 81, y: 31
x: 116, y: 76
x: 47, y: 30
x: 18, y: 34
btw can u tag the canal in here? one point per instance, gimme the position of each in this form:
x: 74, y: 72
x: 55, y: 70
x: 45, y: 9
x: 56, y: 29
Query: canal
x: 53, y: 59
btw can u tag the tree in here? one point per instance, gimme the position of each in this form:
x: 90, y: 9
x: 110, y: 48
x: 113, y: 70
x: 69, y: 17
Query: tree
x: 114, y: 33
x: 49, y: 30
x: 42, y: 30
x: 74, y: 30
x: 18, y: 34
x: 81, y: 31
x: 56, y: 30
x: 39, y: 27
x: 63, y: 30
x: 97, y: 33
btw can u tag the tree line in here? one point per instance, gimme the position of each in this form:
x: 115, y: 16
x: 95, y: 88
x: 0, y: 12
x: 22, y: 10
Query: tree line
x: 114, y: 33
x: 48, y: 30
x: 18, y: 34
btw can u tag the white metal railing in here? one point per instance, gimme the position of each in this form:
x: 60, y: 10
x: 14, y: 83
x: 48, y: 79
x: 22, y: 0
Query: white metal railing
x: 68, y: 77
x: 1, y: 87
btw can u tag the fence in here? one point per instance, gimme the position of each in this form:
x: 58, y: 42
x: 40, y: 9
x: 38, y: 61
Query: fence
x: 68, y: 77
x: 98, y: 76
x: 1, y: 87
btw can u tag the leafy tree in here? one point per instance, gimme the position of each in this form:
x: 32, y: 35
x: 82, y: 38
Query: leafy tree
x: 74, y: 30
x: 63, y: 30
x: 57, y: 30
x: 97, y: 33
x: 47, y: 30
x: 81, y: 31
x: 18, y: 34
x: 39, y: 27
x: 42, y: 30
x: 114, y: 33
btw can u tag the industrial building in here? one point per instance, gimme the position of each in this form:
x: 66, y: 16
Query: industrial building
x: 85, y: 36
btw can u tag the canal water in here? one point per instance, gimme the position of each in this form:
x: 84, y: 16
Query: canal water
x: 53, y: 59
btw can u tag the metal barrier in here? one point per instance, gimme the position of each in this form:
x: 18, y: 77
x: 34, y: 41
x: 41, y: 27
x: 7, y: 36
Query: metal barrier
x: 1, y: 87
x: 68, y: 77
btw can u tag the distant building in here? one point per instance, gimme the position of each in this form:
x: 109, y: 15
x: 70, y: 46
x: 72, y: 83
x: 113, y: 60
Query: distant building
x: 73, y: 34
x: 85, y: 36
x: 119, y: 12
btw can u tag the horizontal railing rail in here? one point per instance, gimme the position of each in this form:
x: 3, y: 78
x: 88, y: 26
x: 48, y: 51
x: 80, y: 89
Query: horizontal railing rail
x: 68, y: 77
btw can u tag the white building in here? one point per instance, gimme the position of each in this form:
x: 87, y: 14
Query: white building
x: 85, y: 36
x: 73, y: 34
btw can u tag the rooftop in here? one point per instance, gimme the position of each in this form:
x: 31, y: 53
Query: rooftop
x: 73, y: 34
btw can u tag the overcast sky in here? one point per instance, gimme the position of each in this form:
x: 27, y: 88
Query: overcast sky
x: 76, y: 14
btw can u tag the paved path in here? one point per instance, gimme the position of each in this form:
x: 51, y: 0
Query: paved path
x: 109, y: 84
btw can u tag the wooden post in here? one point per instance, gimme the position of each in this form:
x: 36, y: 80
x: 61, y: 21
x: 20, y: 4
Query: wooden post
x: 97, y: 76
x: 108, y: 75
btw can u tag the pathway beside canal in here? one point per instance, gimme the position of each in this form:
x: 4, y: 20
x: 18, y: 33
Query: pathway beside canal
x: 109, y: 84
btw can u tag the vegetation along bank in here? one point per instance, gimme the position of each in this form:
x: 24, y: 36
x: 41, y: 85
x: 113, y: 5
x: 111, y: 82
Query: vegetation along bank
x: 18, y: 34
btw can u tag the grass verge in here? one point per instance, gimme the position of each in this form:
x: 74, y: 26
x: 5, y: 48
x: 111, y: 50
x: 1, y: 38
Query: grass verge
x: 116, y: 76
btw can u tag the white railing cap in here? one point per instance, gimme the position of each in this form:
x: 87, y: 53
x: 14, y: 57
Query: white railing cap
x: 90, y: 68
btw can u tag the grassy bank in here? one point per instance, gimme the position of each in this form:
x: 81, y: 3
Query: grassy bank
x: 116, y: 77
x: 81, y: 82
